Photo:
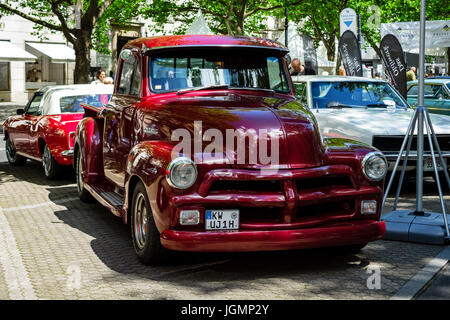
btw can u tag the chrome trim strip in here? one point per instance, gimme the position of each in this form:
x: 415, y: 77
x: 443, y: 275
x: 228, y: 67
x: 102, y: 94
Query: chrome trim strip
x: 67, y: 153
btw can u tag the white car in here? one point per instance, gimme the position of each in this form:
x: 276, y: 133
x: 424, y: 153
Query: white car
x: 370, y: 111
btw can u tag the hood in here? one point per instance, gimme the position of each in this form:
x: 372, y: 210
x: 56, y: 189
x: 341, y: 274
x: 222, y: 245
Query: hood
x: 363, y: 124
x: 272, y: 130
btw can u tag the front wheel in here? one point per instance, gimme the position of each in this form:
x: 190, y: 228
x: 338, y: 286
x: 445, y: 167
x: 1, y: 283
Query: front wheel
x: 13, y: 158
x: 145, y: 235
x: 52, y: 169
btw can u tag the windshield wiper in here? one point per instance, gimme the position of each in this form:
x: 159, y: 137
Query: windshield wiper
x: 217, y: 86
x: 337, y: 105
x: 382, y: 105
x: 376, y: 105
x: 253, y: 89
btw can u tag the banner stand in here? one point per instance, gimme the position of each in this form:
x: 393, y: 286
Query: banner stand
x: 418, y: 226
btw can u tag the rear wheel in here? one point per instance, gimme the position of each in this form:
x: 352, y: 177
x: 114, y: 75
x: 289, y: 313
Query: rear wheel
x: 83, y: 194
x: 13, y: 158
x: 52, y: 169
x: 145, y: 235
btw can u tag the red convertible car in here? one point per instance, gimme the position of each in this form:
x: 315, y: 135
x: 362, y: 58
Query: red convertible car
x: 204, y: 147
x: 45, y: 129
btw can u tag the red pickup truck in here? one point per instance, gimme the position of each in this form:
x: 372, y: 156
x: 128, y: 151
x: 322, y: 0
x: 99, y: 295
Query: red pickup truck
x: 204, y: 147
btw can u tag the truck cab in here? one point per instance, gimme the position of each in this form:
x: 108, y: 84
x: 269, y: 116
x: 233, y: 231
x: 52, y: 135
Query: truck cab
x: 204, y: 147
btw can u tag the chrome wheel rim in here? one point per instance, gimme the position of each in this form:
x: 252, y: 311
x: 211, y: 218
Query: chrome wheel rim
x: 140, y: 221
x: 10, y: 151
x: 46, y: 160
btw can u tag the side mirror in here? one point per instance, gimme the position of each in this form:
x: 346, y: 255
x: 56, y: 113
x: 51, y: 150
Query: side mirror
x: 125, y: 54
x: 20, y: 111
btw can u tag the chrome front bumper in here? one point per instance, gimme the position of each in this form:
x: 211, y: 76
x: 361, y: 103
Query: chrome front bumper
x: 391, y: 157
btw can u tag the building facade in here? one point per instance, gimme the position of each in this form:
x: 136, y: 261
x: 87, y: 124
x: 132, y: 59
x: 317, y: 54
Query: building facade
x: 27, y: 63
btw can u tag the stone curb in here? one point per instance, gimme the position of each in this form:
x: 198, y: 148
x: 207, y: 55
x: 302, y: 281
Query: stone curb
x: 414, y: 285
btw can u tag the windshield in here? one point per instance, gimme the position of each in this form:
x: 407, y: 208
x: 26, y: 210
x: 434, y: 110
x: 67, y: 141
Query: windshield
x: 35, y: 103
x: 354, y: 94
x: 71, y: 104
x: 217, y: 68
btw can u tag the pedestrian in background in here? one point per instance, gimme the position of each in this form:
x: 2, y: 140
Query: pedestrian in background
x: 108, y: 80
x: 298, y: 69
x: 101, y: 75
x: 411, y: 74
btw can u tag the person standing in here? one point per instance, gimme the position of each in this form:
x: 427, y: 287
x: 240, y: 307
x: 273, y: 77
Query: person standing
x: 411, y: 74
x: 101, y: 75
x: 298, y: 69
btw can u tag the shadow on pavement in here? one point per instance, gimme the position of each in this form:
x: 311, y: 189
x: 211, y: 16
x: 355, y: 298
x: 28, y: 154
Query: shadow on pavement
x: 33, y: 172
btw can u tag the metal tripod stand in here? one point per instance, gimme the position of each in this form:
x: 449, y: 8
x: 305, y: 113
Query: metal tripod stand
x: 420, y: 118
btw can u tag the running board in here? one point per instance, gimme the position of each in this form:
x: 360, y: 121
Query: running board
x: 110, y: 199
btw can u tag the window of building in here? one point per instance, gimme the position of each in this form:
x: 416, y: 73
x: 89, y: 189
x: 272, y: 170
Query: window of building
x: 4, y: 76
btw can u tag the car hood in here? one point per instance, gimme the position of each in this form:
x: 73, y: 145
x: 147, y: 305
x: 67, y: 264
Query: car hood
x: 363, y: 124
x: 286, y: 122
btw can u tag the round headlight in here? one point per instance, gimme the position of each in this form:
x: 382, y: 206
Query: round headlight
x: 374, y: 166
x: 181, y: 173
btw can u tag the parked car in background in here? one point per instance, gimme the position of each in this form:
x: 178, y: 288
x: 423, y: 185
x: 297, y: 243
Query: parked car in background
x: 45, y: 129
x: 370, y: 111
x: 436, y: 94
x: 316, y: 193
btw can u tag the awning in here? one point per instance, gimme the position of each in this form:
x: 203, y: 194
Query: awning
x: 10, y: 52
x: 57, y: 52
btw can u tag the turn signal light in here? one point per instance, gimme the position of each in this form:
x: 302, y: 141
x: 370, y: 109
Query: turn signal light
x: 368, y: 207
x: 189, y: 217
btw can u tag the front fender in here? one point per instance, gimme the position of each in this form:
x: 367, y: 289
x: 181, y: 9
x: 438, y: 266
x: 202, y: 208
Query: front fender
x: 88, y: 141
x: 351, y: 153
x: 147, y: 162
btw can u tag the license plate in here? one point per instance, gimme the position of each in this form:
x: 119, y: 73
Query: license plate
x: 222, y: 219
x: 428, y: 164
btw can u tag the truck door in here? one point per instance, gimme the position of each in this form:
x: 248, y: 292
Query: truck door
x: 118, y: 130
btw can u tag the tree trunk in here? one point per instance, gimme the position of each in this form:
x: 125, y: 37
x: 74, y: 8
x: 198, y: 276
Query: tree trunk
x: 82, y: 58
x: 338, y: 63
x: 331, y: 49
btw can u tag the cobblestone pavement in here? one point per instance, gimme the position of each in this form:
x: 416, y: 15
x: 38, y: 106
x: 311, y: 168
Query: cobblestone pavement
x: 57, y: 240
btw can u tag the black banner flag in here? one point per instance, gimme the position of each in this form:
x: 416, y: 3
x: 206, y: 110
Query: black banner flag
x: 394, y: 60
x: 350, y: 54
x: 310, y: 55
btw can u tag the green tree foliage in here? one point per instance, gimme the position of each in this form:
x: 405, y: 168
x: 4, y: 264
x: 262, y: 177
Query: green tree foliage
x: 233, y: 17
x: 320, y: 18
x: 94, y: 18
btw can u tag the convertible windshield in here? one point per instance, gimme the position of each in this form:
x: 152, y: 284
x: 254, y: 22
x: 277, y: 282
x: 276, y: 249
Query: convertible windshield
x: 350, y: 94
x: 217, y: 69
x: 71, y: 104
